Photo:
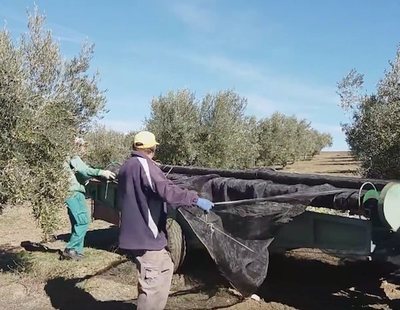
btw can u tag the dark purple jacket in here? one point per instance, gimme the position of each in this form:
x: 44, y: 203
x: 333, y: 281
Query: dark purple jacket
x: 142, y: 191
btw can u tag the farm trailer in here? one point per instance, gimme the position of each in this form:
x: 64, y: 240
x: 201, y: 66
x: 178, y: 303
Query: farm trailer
x: 262, y: 211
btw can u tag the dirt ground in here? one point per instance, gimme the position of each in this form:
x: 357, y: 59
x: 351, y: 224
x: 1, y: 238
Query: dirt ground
x: 333, y: 163
x: 33, y: 277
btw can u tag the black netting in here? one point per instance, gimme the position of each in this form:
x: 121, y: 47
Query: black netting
x: 237, y: 234
x: 237, y: 238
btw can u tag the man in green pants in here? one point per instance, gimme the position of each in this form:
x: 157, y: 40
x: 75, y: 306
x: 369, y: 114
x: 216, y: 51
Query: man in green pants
x: 76, y: 202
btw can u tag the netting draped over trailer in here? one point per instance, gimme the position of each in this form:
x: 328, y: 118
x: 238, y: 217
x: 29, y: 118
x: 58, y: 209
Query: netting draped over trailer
x: 218, y: 189
x: 237, y: 235
x: 237, y: 238
x: 279, y: 177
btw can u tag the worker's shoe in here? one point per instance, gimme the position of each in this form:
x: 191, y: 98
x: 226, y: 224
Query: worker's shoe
x: 71, y: 254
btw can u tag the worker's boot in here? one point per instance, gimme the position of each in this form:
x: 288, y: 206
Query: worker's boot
x: 71, y: 254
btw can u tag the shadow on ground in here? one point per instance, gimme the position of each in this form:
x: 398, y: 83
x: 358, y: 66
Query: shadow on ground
x: 205, y: 287
x: 37, y: 247
x: 312, y: 284
x: 200, y: 269
x: 337, y: 163
x: 103, y: 239
x: 299, y: 283
x: 200, y: 272
x: 13, y: 259
x: 65, y: 294
x: 307, y: 284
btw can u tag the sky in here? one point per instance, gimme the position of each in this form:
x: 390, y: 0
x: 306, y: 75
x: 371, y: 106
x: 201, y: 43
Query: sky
x: 284, y: 56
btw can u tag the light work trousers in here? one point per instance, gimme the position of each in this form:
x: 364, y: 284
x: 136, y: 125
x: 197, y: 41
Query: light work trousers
x: 154, y: 279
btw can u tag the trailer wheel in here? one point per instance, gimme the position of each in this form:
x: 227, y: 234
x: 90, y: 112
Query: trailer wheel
x: 176, y: 242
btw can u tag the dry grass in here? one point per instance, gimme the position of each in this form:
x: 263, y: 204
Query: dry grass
x: 25, y: 274
x: 44, y: 266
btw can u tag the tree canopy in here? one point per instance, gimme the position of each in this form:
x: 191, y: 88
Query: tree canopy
x: 215, y: 132
x: 46, y: 100
x: 373, y: 131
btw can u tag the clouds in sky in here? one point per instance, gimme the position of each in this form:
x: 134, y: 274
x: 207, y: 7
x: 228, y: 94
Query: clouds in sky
x: 205, y: 45
x: 194, y: 15
x: 67, y: 34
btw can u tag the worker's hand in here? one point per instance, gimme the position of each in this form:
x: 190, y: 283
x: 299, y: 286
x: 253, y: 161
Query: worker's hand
x: 204, y: 204
x: 107, y: 174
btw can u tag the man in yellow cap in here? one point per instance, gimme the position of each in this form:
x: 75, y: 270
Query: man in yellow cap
x: 143, y: 190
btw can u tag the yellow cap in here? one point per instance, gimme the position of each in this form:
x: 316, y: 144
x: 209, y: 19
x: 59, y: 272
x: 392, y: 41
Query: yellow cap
x: 144, y: 140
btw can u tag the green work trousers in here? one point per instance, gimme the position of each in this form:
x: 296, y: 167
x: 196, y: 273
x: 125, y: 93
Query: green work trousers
x: 79, y: 218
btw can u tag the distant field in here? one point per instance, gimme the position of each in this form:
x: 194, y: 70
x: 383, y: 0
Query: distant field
x: 334, y: 163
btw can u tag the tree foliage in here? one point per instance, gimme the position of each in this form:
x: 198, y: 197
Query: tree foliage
x: 225, y: 133
x: 216, y: 132
x: 285, y: 139
x: 174, y: 119
x: 106, y: 146
x: 373, y: 132
x: 45, y: 101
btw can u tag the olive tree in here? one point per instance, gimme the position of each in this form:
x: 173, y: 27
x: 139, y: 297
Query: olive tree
x: 216, y: 132
x: 286, y: 139
x: 373, y: 131
x: 277, y: 140
x: 45, y: 101
x: 226, y: 134
x: 174, y: 119
x: 106, y: 146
